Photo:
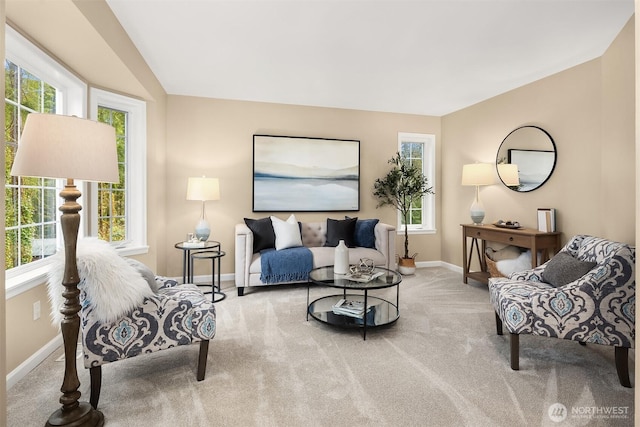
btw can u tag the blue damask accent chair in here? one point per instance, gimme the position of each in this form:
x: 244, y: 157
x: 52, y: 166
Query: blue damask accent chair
x: 175, y: 315
x: 596, y: 308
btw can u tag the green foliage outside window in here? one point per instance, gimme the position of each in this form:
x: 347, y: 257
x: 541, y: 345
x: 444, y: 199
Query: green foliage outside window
x: 112, y: 197
x: 30, y: 203
x: 413, y: 153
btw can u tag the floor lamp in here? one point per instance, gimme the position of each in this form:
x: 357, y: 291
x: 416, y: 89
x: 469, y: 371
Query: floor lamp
x: 56, y: 146
x: 203, y: 189
x: 477, y: 174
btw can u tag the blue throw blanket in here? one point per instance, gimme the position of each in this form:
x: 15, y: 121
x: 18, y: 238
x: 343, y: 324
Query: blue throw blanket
x: 285, y: 265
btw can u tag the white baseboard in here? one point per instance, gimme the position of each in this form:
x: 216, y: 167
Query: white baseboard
x: 448, y: 266
x: 206, y: 278
x: 38, y: 357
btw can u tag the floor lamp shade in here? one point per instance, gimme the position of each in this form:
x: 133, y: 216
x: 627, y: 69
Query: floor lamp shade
x: 477, y: 174
x: 203, y: 189
x: 56, y: 146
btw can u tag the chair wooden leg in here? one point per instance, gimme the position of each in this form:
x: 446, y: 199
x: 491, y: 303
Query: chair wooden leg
x: 202, y: 359
x: 95, y: 374
x: 515, y: 351
x: 622, y: 366
x: 498, y: 324
x: 240, y: 292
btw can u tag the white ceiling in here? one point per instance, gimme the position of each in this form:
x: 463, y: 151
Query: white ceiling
x: 428, y: 57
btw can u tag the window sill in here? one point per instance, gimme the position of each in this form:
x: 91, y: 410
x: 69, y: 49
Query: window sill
x: 30, y: 279
x: 133, y: 250
x: 400, y: 231
x: 25, y: 281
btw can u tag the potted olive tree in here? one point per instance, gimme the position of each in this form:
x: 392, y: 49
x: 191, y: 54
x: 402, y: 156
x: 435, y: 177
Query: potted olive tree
x: 404, y: 185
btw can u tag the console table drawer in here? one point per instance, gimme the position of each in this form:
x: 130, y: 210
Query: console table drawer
x: 502, y: 237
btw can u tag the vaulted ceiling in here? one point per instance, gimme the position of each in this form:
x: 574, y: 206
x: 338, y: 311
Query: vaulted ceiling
x: 427, y: 57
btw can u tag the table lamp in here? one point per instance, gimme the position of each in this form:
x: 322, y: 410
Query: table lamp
x: 477, y: 174
x: 56, y: 146
x: 508, y: 173
x: 203, y: 189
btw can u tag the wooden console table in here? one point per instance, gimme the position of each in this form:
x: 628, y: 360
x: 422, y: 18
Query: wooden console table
x: 521, y: 237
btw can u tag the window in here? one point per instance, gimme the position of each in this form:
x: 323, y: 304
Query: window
x: 420, y: 150
x: 30, y: 203
x: 37, y: 83
x: 33, y: 83
x: 120, y: 209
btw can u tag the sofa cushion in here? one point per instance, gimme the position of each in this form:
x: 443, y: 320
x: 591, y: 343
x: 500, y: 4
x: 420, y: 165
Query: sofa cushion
x: 364, y: 235
x: 564, y: 268
x: 341, y: 230
x: 287, y: 232
x: 263, y: 235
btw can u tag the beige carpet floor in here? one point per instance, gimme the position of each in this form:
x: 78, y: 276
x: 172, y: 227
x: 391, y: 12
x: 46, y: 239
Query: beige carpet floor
x: 440, y: 364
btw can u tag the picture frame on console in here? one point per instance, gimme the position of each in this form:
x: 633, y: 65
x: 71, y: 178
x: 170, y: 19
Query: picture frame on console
x: 304, y: 174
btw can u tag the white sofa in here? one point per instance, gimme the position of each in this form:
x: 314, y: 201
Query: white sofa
x: 248, y: 264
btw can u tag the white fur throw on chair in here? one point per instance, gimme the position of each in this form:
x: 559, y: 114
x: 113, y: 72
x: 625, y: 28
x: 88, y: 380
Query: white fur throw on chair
x: 112, y: 286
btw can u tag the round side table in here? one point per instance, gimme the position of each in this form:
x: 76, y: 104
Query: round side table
x: 186, y: 253
x: 216, y: 292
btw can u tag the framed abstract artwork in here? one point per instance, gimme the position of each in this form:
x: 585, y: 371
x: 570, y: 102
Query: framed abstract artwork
x: 301, y: 174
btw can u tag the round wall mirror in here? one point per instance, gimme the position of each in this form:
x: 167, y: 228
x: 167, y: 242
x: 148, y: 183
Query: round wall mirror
x: 526, y: 158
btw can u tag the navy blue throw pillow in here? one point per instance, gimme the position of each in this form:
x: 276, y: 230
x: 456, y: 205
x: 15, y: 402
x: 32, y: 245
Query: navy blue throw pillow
x: 364, y: 235
x: 341, y: 230
x: 263, y: 235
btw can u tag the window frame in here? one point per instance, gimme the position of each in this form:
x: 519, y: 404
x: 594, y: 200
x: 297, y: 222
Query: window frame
x: 428, y: 225
x: 136, y: 178
x: 74, y: 100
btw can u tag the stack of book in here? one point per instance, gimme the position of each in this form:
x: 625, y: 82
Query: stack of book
x: 546, y: 219
x: 349, y: 308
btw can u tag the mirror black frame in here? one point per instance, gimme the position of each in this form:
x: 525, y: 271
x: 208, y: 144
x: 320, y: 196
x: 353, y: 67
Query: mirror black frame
x: 555, y: 157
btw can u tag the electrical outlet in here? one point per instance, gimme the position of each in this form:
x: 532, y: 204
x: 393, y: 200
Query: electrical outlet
x: 36, y: 310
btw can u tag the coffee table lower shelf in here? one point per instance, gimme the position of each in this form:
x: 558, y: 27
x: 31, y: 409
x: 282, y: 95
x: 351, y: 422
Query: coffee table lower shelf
x: 380, y: 313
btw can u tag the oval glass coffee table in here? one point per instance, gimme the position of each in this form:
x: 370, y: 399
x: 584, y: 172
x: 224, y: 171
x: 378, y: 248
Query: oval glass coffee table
x: 356, y: 296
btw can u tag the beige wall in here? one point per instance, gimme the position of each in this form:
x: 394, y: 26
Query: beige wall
x: 90, y: 31
x: 215, y: 138
x: 589, y: 112
x: 26, y: 336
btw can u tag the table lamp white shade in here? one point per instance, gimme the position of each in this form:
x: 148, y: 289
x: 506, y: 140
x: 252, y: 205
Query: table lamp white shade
x: 508, y: 173
x: 57, y: 146
x: 203, y: 189
x: 477, y: 174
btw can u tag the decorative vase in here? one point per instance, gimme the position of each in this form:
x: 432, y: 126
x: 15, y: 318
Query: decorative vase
x: 406, y: 266
x: 341, y: 259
